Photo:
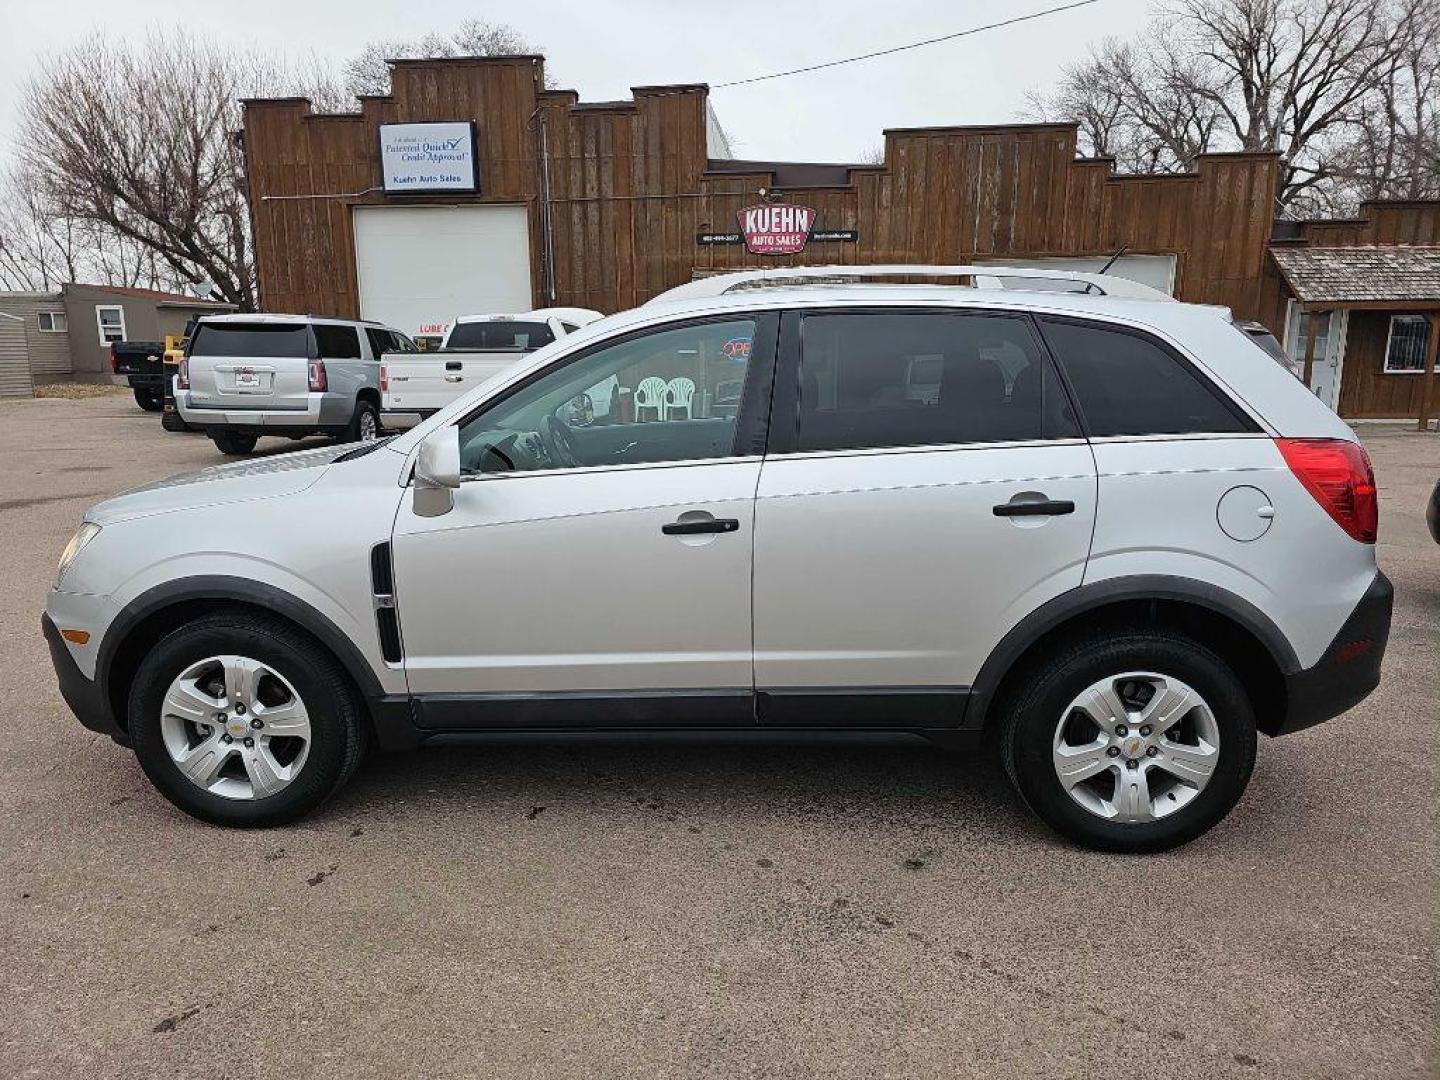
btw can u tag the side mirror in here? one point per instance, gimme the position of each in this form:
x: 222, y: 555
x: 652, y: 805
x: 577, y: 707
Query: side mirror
x: 437, y: 472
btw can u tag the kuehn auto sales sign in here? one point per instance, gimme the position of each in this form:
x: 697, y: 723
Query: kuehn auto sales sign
x: 776, y: 228
x: 428, y: 157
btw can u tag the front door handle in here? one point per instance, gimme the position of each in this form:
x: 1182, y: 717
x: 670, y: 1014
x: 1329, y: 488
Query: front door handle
x: 694, y: 528
x: 1040, y: 508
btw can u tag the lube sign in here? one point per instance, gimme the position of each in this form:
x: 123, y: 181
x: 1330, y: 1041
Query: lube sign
x: 428, y: 157
x: 776, y: 228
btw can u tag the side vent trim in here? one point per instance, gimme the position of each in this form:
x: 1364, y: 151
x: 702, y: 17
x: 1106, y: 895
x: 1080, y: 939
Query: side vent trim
x: 382, y: 585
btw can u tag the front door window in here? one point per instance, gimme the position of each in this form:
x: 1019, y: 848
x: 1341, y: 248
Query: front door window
x: 671, y: 395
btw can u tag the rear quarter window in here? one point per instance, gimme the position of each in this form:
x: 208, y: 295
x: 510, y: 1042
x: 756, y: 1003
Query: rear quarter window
x: 337, y: 342
x: 1129, y: 383
x: 266, y: 340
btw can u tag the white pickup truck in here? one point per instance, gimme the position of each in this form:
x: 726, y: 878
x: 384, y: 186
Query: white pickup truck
x: 476, y: 348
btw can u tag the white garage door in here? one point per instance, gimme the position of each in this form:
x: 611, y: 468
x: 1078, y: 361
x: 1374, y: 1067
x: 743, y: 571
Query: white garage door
x: 1157, y: 271
x: 427, y: 264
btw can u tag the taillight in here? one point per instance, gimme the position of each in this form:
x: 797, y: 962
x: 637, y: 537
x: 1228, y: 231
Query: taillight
x: 114, y: 360
x: 182, y: 376
x: 1338, y: 474
x: 384, y: 378
x: 317, y: 375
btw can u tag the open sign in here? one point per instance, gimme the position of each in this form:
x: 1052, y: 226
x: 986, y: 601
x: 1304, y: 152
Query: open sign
x: 737, y: 348
x: 776, y: 228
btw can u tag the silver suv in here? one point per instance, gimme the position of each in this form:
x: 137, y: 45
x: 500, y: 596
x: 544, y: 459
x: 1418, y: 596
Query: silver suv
x: 244, y: 376
x: 1106, y: 527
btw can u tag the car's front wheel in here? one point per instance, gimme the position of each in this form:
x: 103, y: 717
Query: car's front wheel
x: 1137, y: 741
x: 239, y: 719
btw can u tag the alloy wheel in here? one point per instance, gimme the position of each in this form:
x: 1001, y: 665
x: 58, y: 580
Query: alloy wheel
x: 1136, y: 747
x: 235, y: 727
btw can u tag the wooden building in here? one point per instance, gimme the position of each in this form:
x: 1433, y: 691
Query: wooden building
x: 606, y: 204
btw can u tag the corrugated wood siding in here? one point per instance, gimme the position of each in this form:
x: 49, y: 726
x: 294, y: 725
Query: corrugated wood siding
x: 629, y: 194
x: 1365, y: 389
x: 15, y: 380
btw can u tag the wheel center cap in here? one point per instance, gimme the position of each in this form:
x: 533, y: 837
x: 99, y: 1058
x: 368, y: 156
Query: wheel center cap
x: 1133, y: 747
x: 236, y: 726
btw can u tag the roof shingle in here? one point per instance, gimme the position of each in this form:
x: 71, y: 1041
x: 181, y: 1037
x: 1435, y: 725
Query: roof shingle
x: 1358, y: 275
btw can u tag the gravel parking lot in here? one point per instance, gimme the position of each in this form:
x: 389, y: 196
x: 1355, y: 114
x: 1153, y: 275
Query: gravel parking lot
x: 699, y: 911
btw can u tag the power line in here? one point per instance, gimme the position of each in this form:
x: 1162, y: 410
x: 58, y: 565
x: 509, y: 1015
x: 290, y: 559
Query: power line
x: 912, y: 45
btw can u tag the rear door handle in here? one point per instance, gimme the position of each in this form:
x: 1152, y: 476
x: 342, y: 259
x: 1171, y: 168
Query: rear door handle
x: 454, y: 378
x: 453, y: 365
x: 1042, y: 508
x: 693, y: 528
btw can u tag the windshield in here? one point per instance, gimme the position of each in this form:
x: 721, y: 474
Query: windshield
x: 271, y: 340
x: 502, y: 335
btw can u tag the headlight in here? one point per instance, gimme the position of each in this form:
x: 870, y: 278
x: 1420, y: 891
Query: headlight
x: 88, y: 531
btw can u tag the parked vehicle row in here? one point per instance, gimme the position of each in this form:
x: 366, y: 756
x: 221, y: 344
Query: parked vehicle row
x: 1103, y: 526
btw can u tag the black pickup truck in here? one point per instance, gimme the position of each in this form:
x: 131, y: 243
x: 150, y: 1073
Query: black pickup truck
x: 141, y: 362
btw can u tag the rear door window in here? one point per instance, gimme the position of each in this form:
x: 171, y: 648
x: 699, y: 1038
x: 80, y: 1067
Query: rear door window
x: 337, y: 342
x: 500, y: 336
x: 262, y: 340
x: 1128, y: 383
x: 874, y: 380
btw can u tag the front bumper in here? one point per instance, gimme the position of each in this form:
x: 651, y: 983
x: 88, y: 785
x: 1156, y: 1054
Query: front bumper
x: 1349, y: 669
x: 83, y: 696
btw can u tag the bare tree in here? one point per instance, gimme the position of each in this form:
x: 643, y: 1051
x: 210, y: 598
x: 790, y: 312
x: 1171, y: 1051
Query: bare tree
x: 136, y: 144
x: 1394, y: 149
x: 367, y: 72
x: 38, y: 250
x: 1295, y: 77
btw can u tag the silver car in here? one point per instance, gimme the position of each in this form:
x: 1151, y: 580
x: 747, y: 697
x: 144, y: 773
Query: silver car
x: 244, y: 376
x: 1111, y: 530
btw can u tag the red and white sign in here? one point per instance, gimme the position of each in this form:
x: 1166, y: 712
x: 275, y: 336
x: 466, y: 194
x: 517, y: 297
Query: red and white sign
x: 776, y: 228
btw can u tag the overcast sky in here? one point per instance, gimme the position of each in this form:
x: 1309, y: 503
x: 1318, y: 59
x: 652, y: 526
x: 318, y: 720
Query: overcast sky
x: 603, y: 47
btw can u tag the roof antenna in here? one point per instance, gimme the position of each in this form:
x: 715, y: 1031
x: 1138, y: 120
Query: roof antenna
x: 1112, y: 260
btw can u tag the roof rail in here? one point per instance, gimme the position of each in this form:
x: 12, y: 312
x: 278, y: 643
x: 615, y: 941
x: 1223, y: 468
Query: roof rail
x: 981, y: 277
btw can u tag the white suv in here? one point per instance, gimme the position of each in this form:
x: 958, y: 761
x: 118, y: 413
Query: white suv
x: 1118, y: 535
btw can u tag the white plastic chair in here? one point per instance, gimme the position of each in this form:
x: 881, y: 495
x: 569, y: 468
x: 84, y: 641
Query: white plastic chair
x: 677, y: 396
x: 650, y: 394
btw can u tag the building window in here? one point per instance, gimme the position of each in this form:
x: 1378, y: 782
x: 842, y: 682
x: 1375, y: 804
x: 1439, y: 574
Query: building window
x: 111, y: 319
x: 1405, y: 351
x: 52, y: 322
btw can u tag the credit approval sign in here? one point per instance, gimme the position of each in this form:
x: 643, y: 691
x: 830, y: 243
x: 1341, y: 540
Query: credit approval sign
x: 434, y: 156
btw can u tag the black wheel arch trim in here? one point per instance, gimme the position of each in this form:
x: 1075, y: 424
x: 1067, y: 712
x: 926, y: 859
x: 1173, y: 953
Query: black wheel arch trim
x: 1099, y: 594
x: 241, y: 590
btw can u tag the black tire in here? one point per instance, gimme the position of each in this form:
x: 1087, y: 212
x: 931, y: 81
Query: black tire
x: 365, y: 412
x: 1030, y: 716
x: 338, y: 734
x: 232, y: 442
x: 149, y: 398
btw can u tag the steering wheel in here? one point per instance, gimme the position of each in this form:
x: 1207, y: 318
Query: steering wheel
x: 562, y: 441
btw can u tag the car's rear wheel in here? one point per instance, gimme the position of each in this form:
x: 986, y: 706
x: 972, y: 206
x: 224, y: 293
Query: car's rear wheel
x: 149, y: 398
x: 232, y: 442
x: 364, y: 424
x: 239, y: 719
x: 1137, y: 741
